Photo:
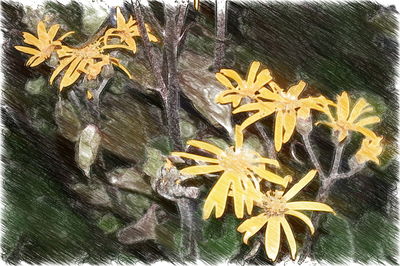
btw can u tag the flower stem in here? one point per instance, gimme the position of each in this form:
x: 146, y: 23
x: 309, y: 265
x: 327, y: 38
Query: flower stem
x: 311, y: 153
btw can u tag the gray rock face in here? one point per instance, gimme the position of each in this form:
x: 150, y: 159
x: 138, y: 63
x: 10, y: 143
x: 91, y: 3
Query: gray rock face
x: 201, y: 87
x: 129, y: 125
x: 87, y: 148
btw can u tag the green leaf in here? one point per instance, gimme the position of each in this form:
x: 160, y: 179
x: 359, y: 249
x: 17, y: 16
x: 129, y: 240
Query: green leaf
x: 336, y: 245
x: 375, y: 239
x: 221, y: 240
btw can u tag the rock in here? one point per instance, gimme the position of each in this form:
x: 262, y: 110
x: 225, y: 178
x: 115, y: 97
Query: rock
x: 87, y: 148
x: 130, y: 125
x: 142, y: 230
x: 109, y: 223
x: 35, y: 86
x: 130, y: 179
x: 135, y: 204
x: 67, y: 120
x: 92, y: 18
x: 201, y: 87
x: 94, y: 194
x: 154, y: 161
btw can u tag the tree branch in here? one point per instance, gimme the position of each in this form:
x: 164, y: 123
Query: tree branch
x: 221, y: 21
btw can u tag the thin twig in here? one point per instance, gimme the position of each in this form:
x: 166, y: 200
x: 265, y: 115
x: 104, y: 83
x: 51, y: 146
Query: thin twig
x: 221, y: 21
x: 269, y: 145
x: 314, y: 159
x: 337, y: 159
x: 153, y: 57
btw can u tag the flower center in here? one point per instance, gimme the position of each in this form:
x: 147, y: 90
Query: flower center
x: 90, y: 51
x: 238, y: 161
x: 273, y: 203
x: 343, y: 125
x: 288, y: 102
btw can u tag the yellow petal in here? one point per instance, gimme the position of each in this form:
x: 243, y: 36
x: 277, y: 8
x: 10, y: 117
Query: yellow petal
x: 358, y: 108
x: 308, y: 206
x: 343, y: 106
x: 65, y: 35
x: 201, y: 169
x: 27, y: 50
x: 302, y: 217
x: 247, y: 108
x: 60, y: 67
x: 234, y: 99
x: 41, y: 30
x: 30, y: 39
x: 37, y: 61
x: 267, y: 161
x: 263, y: 78
x: 251, y: 75
x: 297, y: 89
x: 299, y: 185
x: 269, y: 95
x: 217, y: 197
x: 289, y: 123
x: 238, y: 197
x: 238, y: 137
x: 275, y: 87
x: 117, y: 46
x: 278, y: 130
x: 269, y: 176
x: 131, y: 43
x: 368, y: 121
x: 365, y: 131
x: 233, y: 75
x: 120, y: 18
x: 195, y: 157
x: 303, y: 112
x: 342, y: 134
x: 89, y: 95
x: 252, y: 226
x: 273, y: 237
x: 122, y: 67
x: 205, y: 146
x: 253, y: 119
x: 53, y: 31
x: 290, y: 237
x: 224, y: 81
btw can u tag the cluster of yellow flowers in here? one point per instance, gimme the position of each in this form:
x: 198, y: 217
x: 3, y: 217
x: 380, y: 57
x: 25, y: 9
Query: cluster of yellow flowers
x: 244, y: 171
x: 88, y: 60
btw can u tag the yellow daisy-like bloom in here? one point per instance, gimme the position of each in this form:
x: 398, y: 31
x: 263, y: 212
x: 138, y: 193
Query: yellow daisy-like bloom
x: 287, y: 106
x: 275, y: 205
x: 370, y: 150
x: 89, y: 60
x: 44, y: 43
x: 350, y: 121
x: 239, y: 166
x: 243, y: 88
x: 126, y: 31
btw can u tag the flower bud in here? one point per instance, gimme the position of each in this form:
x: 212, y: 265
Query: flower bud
x: 304, y: 125
x: 107, y: 71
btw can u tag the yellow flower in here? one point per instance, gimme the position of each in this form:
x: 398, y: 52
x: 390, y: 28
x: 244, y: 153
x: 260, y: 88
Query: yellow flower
x: 287, y: 106
x: 196, y: 4
x: 44, y: 43
x: 350, y: 121
x: 239, y: 166
x: 243, y: 88
x: 125, y: 31
x: 370, y: 150
x: 89, y: 60
x: 275, y: 205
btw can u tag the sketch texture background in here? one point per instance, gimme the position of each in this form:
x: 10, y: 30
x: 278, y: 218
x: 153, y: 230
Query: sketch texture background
x: 52, y: 213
